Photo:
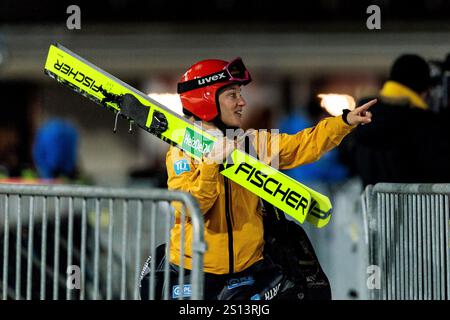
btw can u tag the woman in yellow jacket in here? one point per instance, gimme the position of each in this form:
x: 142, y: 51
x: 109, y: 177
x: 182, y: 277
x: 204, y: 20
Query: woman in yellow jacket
x: 234, y: 264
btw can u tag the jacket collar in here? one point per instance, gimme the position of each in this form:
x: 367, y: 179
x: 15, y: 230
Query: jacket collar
x: 394, y: 90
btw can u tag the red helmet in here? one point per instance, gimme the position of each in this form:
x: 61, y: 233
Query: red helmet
x: 199, y: 85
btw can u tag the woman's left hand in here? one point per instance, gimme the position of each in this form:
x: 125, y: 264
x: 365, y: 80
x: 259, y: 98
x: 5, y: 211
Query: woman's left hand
x: 360, y: 115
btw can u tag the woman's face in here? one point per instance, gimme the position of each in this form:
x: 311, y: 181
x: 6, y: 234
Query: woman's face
x: 231, y: 105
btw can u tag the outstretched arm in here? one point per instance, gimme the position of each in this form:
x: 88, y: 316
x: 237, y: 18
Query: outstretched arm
x: 310, y: 144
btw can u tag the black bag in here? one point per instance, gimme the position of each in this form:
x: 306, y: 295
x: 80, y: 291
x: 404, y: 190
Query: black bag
x: 173, y: 284
x: 159, y: 274
x: 287, y: 244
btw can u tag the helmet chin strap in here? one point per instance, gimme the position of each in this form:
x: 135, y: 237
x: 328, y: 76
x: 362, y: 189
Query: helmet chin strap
x: 222, y: 126
x: 216, y: 121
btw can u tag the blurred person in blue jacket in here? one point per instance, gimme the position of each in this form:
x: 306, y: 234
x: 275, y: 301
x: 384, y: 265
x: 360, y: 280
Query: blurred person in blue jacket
x: 328, y: 168
x: 55, y: 150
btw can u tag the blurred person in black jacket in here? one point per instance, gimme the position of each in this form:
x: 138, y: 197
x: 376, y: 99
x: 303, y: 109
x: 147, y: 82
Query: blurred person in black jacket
x: 407, y: 142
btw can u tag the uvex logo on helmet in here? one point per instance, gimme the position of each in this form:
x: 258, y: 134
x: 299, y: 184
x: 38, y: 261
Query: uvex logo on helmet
x: 211, y: 78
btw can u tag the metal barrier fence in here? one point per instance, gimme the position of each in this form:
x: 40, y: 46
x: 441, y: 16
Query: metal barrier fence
x: 407, y: 232
x: 90, y: 242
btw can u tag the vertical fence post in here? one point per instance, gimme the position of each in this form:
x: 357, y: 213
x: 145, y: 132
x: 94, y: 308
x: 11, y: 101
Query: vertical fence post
x: 110, y: 244
x: 138, y: 250
x: 166, y: 263
x: 446, y: 228
x: 69, y: 246
x: 420, y: 246
x: 56, y: 249
x: 96, y: 248
x: 18, y: 247
x: 6, y: 249
x: 182, y: 244
x: 442, y: 239
x: 30, y: 248
x: 152, y: 250
x: 123, y: 287
x: 83, y: 289
x: 198, y: 246
x: 43, y: 248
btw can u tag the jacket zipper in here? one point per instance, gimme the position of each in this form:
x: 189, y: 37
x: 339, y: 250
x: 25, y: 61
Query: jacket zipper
x: 229, y: 227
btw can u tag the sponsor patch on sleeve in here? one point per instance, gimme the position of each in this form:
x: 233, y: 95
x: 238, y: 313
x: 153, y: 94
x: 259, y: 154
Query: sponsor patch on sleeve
x: 181, y: 166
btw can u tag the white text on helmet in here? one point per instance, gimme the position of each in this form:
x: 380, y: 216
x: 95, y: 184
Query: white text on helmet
x: 211, y: 78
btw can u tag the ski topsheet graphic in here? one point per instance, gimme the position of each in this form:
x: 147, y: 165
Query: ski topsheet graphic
x: 295, y: 199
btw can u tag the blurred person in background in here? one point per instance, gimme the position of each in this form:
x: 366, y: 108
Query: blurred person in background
x: 407, y: 142
x: 236, y: 263
x: 9, y: 153
x: 55, y: 151
x: 16, y: 129
x: 13, y: 167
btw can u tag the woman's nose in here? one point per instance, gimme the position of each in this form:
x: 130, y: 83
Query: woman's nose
x: 242, y: 101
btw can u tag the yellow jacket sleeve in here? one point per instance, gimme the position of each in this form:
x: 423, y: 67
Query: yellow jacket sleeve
x: 307, y: 145
x: 199, y: 179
